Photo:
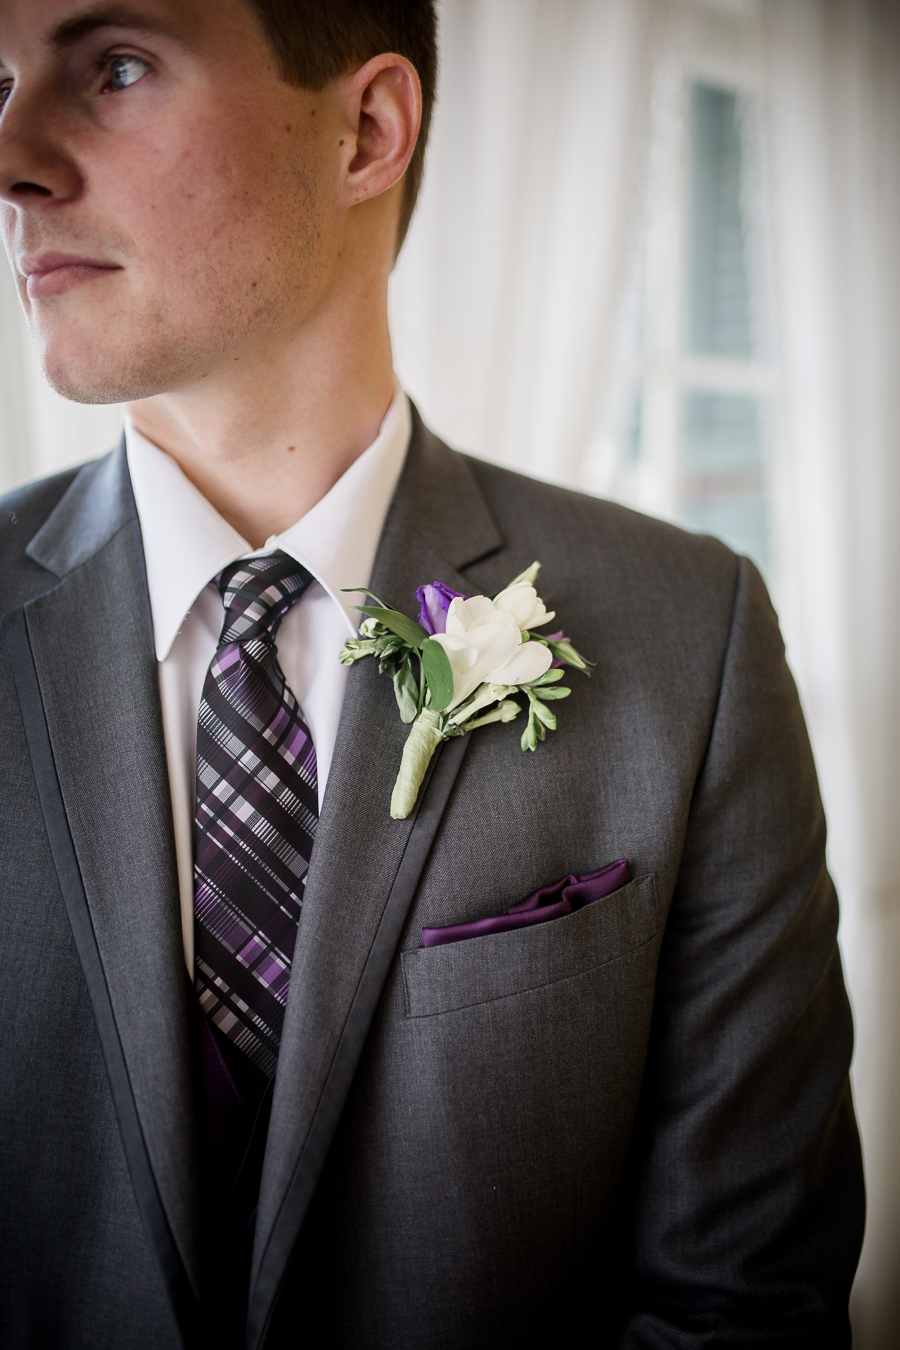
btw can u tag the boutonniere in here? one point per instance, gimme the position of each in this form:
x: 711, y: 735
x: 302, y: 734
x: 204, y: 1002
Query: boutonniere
x: 468, y: 661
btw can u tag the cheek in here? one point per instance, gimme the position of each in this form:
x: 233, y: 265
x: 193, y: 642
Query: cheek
x: 221, y: 194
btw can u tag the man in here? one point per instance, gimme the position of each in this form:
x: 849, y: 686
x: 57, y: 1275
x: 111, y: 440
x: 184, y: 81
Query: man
x: 243, y: 1102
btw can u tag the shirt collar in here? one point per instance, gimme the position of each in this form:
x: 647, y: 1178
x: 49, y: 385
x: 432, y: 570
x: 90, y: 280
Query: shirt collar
x: 187, y: 543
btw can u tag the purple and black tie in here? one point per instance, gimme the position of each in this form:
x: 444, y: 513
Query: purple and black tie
x: 257, y: 810
x: 256, y: 817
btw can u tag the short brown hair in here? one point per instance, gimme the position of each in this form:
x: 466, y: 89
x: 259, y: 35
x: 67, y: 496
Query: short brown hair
x: 315, y: 41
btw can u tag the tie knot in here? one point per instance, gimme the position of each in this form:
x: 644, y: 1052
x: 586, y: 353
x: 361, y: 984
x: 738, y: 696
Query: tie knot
x: 257, y: 593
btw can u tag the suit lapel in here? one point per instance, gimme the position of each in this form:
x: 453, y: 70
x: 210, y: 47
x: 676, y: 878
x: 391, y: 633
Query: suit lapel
x: 365, y: 867
x: 95, y: 690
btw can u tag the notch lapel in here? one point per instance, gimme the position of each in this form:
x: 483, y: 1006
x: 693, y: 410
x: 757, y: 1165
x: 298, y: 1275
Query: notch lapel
x: 365, y: 866
x: 87, y: 680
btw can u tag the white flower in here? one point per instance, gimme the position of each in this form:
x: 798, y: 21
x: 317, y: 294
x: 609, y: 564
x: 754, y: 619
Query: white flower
x: 484, y: 644
x: 524, y: 604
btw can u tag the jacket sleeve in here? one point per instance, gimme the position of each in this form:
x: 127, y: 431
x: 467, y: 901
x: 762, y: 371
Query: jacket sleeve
x: 746, y: 1203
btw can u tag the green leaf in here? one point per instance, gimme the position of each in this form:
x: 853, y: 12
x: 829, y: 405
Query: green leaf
x: 534, y: 732
x: 565, y: 652
x: 406, y: 691
x: 548, y: 694
x: 548, y: 677
x: 439, y: 675
x: 389, y: 645
x: 411, y: 632
x: 392, y: 655
x: 362, y: 590
x: 542, y: 712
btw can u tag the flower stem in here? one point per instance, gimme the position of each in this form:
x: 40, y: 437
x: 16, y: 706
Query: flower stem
x: 424, y: 738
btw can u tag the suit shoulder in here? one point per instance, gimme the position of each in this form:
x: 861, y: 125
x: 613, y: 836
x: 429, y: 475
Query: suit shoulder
x: 30, y: 505
x: 582, y: 533
x: 22, y: 513
x: 622, y: 581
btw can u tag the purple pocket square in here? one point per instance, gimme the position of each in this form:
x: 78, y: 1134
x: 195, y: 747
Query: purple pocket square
x: 551, y: 902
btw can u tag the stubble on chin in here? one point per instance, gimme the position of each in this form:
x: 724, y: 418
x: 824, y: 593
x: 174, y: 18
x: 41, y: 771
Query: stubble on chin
x: 133, y: 352
x: 107, y: 368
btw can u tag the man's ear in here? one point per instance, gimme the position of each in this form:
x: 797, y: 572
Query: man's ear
x: 383, y: 104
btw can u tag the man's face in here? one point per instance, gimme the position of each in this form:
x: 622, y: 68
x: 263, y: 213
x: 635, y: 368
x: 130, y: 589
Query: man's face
x: 167, y: 200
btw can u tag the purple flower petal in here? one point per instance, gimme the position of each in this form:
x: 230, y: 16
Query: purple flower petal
x: 434, y: 601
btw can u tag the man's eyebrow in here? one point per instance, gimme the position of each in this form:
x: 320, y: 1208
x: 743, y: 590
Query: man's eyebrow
x: 104, y: 16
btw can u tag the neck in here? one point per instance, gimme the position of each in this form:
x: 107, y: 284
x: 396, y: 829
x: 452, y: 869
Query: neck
x: 265, y: 432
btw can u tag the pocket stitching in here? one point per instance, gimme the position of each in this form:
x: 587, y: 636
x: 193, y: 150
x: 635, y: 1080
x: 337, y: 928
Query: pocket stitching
x: 544, y: 984
x: 530, y: 988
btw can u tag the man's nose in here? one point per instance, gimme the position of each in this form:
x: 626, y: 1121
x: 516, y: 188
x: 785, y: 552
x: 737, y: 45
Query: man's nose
x: 35, y: 165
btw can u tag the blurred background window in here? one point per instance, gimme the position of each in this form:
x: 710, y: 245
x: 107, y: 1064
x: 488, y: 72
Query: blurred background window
x: 718, y: 302
x: 656, y: 259
x: 708, y: 371
x: 696, y: 438
x: 722, y: 487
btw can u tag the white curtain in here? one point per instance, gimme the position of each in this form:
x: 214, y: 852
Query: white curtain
x: 835, y: 130
x: 509, y: 309
x: 506, y: 298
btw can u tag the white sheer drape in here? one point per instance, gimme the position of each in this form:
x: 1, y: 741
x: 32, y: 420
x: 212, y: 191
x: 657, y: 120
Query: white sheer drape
x: 507, y: 307
x: 835, y: 132
x: 506, y: 297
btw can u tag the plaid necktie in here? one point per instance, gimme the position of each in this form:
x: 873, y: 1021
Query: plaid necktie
x: 257, y: 810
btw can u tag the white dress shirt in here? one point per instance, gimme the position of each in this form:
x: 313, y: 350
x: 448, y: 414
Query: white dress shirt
x: 187, y: 543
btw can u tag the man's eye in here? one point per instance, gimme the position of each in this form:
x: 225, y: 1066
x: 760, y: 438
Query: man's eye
x: 5, y: 91
x: 125, y: 71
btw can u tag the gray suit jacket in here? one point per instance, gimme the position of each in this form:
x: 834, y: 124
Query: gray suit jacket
x: 629, y: 1127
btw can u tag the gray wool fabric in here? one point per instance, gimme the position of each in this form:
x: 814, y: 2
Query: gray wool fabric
x: 629, y: 1127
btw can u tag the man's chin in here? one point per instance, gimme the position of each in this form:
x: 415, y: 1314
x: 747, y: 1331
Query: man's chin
x: 92, y: 376
x: 81, y: 390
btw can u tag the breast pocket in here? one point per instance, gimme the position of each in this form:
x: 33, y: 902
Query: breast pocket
x: 482, y: 969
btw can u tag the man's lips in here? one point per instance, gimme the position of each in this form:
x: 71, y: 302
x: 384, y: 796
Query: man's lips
x: 53, y: 273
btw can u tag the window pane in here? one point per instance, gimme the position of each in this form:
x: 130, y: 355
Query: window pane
x: 718, y: 297
x: 722, y: 490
